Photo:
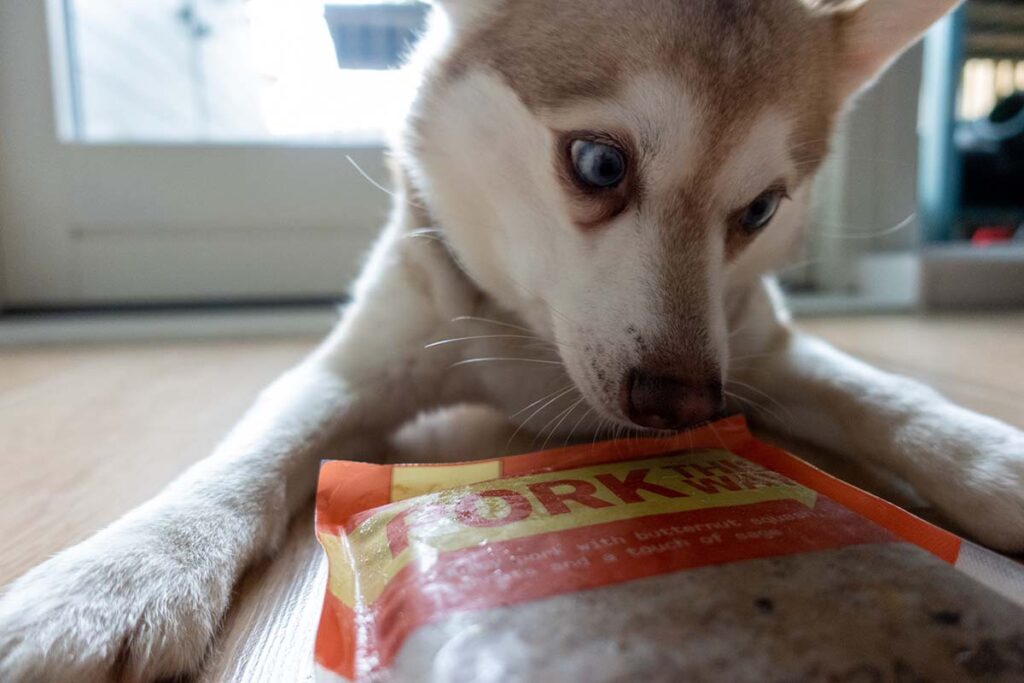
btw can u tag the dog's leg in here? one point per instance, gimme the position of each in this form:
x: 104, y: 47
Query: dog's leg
x: 142, y: 599
x: 968, y: 465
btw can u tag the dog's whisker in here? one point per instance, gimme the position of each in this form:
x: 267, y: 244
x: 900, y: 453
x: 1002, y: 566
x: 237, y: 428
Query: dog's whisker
x: 604, y: 434
x: 540, y: 342
x: 902, y: 225
x: 455, y: 340
x: 535, y: 414
x: 761, y: 393
x: 565, y: 389
x: 597, y: 432
x: 470, y: 318
x: 757, y: 407
x: 476, y: 361
x: 540, y: 432
x: 391, y: 193
x: 542, y: 346
x: 568, y: 439
x: 718, y: 436
x: 623, y: 437
x: 738, y: 330
x: 617, y: 434
x: 774, y: 414
x: 809, y: 143
x: 565, y: 416
x: 564, y: 317
x: 425, y: 234
x: 520, y: 328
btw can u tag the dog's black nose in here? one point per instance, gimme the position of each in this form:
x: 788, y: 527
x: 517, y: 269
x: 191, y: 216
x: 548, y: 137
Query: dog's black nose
x: 665, y: 402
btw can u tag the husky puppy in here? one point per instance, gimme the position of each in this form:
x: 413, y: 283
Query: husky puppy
x: 590, y: 195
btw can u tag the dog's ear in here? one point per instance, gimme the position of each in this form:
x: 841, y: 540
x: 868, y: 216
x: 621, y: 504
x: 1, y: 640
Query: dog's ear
x: 873, y: 33
x: 463, y: 13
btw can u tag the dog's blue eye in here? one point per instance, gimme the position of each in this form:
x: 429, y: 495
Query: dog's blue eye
x: 762, y: 210
x: 598, y: 165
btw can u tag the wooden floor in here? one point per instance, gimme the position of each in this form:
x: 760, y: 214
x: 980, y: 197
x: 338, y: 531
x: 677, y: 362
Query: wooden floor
x: 88, y: 432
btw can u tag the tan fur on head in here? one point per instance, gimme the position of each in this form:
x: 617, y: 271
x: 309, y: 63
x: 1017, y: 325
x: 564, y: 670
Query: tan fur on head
x: 712, y: 103
x: 867, y: 34
x: 738, y: 57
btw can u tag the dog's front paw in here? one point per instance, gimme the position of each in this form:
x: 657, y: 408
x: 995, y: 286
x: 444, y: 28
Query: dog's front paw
x: 124, y: 606
x: 983, y: 490
x: 993, y: 504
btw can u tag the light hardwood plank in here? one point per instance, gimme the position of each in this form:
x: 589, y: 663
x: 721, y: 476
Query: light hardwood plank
x: 87, y: 433
x: 975, y: 359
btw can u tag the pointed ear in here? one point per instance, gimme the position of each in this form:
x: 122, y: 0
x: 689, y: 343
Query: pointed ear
x: 462, y: 13
x: 873, y: 33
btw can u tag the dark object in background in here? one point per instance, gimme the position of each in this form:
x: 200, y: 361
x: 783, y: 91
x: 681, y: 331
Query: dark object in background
x: 374, y: 36
x: 993, y: 154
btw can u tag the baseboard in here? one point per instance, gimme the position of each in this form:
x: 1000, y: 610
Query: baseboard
x: 887, y: 282
x: 962, y: 276
x: 176, y: 325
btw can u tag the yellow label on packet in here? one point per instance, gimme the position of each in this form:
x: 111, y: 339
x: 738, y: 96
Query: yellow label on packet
x: 504, y: 510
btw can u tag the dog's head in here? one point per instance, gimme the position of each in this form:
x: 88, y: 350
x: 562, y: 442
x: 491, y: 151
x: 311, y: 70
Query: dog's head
x: 609, y: 169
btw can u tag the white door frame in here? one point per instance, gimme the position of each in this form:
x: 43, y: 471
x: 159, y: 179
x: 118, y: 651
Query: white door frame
x: 107, y: 224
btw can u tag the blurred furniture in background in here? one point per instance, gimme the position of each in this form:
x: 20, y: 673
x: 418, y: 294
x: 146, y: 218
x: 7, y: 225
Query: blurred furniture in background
x: 972, y: 175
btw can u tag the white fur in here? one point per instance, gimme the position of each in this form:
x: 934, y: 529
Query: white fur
x: 485, y: 160
x: 142, y: 599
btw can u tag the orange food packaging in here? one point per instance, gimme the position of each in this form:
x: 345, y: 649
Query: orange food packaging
x: 706, y: 556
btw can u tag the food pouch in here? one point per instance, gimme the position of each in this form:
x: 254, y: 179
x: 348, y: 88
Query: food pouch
x: 708, y: 555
